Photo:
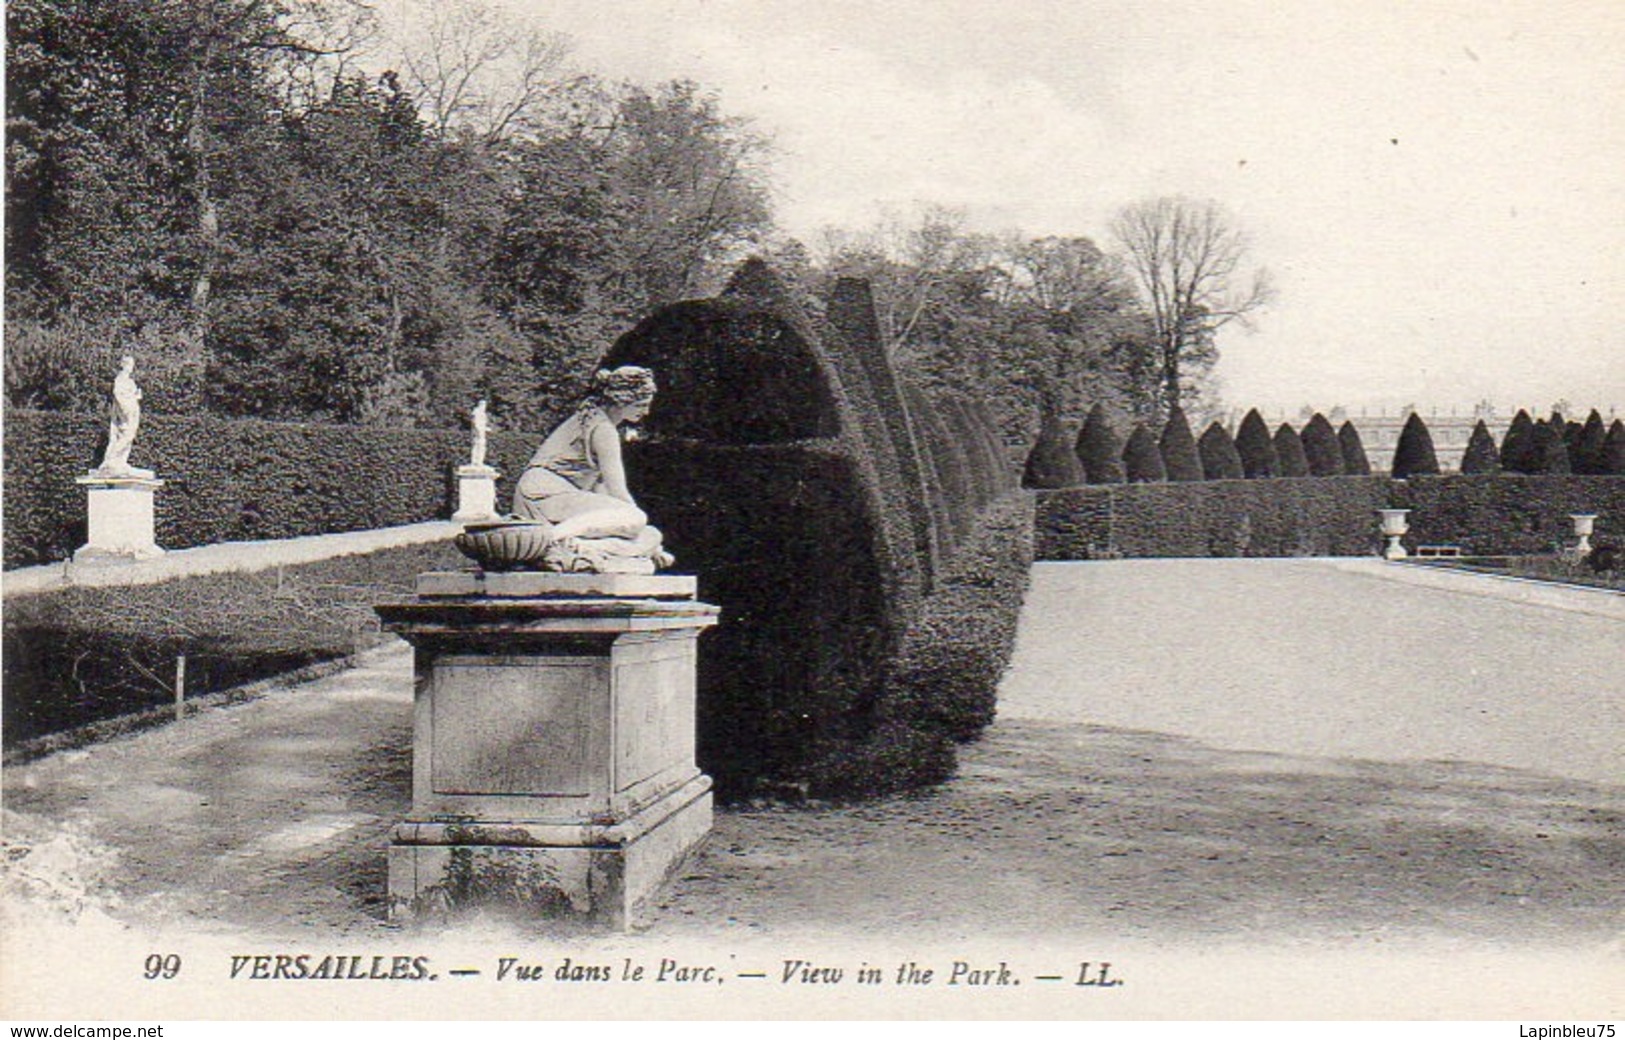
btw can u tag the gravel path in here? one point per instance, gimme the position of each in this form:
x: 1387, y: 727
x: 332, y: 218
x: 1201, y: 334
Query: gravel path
x: 1266, y: 753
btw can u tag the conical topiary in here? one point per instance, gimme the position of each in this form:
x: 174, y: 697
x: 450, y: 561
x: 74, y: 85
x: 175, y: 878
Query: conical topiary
x: 1052, y: 463
x: 1180, y: 460
x: 1355, y: 464
x: 1481, y: 456
x: 1220, y: 460
x: 1414, y: 456
x: 1587, y: 454
x: 1613, y: 450
x: 1289, y: 449
x: 1142, y: 461
x: 1099, y: 449
x: 1550, y: 454
x: 1518, y: 445
x: 1320, y: 448
x: 1256, y: 448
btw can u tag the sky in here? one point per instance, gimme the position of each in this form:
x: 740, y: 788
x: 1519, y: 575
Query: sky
x: 1438, y: 188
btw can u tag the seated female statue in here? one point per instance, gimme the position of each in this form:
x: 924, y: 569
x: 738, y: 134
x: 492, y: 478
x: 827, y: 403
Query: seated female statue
x: 577, y: 483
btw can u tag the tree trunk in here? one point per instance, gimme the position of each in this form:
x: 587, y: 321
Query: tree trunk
x: 208, y: 212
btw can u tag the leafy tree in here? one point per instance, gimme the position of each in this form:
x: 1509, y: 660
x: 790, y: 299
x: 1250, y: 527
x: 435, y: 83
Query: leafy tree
x: 1052, y: 463
x: 1099, y: 449
x: 1187, y: 258
x: 1481, y: 456
x: 1518, y: 445
x: 1256, y: 448
x: 1220, y: 460
x: 1180, y: 459
x: 1613, y: 450
x: 1142, y: 462
x: 1289, y: 450
x: 1320, y: 448
x: 1550, y: 455
x: 1414, y: 456
x: 1355, y: 462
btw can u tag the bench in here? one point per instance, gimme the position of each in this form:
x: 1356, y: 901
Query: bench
x: 1438, y: 550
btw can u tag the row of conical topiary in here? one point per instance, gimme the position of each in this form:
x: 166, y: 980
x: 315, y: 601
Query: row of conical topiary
x: 1099, y: 456
x: 1552, y: 445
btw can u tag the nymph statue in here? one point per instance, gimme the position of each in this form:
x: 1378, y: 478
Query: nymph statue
x: 576, y: 482
x: 125, y: 421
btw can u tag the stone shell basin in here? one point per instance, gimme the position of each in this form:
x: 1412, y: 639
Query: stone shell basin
x: 506, y: 545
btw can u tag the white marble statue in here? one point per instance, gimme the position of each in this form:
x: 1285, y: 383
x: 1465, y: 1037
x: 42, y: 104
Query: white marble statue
x: 126, y: 420
x: 576, y: 482
x: 482, y: 426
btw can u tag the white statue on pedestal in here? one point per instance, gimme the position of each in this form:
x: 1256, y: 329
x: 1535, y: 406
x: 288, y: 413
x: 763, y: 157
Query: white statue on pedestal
x: 126, y: 420
x: 482, y: 426
x: 577, y: 483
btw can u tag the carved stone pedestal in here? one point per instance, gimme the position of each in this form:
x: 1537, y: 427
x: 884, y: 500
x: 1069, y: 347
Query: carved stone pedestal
x: 476, y: 493
x: 120, y: 517
x: 553, y: 749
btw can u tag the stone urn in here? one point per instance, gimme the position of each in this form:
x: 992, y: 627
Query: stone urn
x: 1394, y: 528
x: 1584, y: 525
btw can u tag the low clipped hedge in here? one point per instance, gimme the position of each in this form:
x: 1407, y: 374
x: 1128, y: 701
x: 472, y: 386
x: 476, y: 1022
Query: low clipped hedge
x: 942, y: 687
x: 236, y: 480
x: 955, y: 652
x: 1331, y: 516
x: 1509, y: 514
x: 83, y: 655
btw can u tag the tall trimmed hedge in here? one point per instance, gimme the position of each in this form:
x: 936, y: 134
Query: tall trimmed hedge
x: 772, y: 467
x: 1142, y: 461
x: 1549, y: 454
x: 1052, y: 463
x: 1321, y: 449
x: 1256, y: 448
x: 1355, y: 463
x: 1587, y: 456
x: 1414, y: 455
x: 1484, y: 515
x: 1289, y: 449
x: 1518, y: 445
x: 238, y: 480
x: 1480, y: 456
x: 1100, y: 449
x: 1220, y: 460
x: 1180, y: 458
x: 1613, y: 449
x: 850, y: 310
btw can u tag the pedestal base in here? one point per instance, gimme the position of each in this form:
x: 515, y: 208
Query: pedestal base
x: 553, y: 768
x: 120, y: 518
x: 476, y: 493
x: 602, y: 874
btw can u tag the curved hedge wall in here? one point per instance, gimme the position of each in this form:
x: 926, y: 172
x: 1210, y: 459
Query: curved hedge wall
x: 1327, y: 516
x: 237, y: 480
x: 777, y: 462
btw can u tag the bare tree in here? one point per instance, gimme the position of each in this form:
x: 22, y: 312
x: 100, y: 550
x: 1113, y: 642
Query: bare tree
x: 1187, y: 257
x: 477, y: 69
x: 910, y: 264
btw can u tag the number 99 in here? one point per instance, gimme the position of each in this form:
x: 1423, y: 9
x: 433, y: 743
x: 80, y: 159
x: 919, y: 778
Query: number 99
x: 163, y: 966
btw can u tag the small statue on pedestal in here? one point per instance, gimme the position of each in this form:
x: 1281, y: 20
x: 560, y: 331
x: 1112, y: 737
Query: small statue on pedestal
x: 125, y: 422
x: 482, y: 426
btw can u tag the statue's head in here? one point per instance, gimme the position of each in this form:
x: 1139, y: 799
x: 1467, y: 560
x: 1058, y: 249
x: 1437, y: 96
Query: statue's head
x: 127, y: 363
x: 628, y: 386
